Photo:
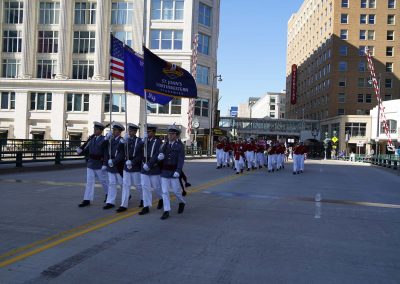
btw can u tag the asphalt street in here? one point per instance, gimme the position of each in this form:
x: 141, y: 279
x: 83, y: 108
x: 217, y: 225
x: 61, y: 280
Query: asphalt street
x: 338, y: 222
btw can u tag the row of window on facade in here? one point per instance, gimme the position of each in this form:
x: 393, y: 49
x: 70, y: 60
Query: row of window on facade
x: 368, y: 19
x: 343, y: 66
x: 84, y: 41
x: 80, y: 103
x: 81, y: 69
x: 121, y: 12
x: 371, y: 4
x: 367, y: 35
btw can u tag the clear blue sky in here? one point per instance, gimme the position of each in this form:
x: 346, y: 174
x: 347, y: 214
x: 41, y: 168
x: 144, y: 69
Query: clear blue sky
x: 252, y: 48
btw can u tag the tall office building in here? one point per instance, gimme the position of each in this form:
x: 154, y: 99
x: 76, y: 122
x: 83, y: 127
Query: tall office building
x: 326, y: 40
x: 55, y: 63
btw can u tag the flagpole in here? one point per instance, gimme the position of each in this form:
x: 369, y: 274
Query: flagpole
x: 111, y: 97
x: 126, y: 127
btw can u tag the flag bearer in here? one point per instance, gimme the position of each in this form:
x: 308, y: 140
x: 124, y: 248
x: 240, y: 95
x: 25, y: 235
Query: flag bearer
x: 133, y: 166
x: 114, y: 160
x: 172, y: 155
x: 94, y: 149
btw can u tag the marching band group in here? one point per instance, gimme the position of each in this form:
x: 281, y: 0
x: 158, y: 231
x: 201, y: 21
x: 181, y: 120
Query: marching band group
x: 254, y: 154
x: 151, y: 165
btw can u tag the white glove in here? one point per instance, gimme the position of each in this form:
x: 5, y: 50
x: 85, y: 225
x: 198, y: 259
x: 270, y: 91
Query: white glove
x: 79, y: 150
x: 145, y: 135
x: 103, y: 168
x: 176, y: 175
x: 146, y: 167
x: 110, y: 163
x: 128, y: 164
x: 126, y: 136
x: 161, y: 156
x: 108, y: 135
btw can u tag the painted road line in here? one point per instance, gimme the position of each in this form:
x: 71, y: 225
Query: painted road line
x: 45, y: 244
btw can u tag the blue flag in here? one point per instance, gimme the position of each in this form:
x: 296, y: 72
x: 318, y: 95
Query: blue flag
x: 165, y: 78
x: 134, y: 78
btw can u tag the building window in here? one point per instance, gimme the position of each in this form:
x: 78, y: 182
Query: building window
x: 356, y: 129
x: 174, y: 107
x: 46, y: 69
x: 7, y: 100
x: 362, y: 48
x: 85, y: 13
x: 125, y: 37
x: 371, y: 19
x: 363, y: 35
x: 77, y: 102
x: 371, y: 35
x: 342, y: 82
x: 12, y: 41
x: 48, y: 42
x: 363, y: 3
x: 167, y: 9
x: 387, y: 97
x: 11, y: 68
x: 368, y: 98
x: 84, y: 42
x: 391, y: 124
x: 340, y: 111
x: 391, y: 4
x: 201, y: 107
x: 389, y: 67
x: 390, y: 35
x: 41, y: 101
x: 362, y: 65
x: 341, y: 98
x: 166, y: 39
x: 344, y: 18
x: 13, y: 12
x: 388, y: 83
x: 49, y: 13
x: 343, y: 34
x: 391, y: 20
x: 360, y: 98
x: 121, y: 13
x: 118, y: 103
x: 361, y: 82
x: 342, y: 66
x: 343, y: 50
x: 272, y: 114
x: 363, y: 19
x: 204, y: 44
x: 82, y: 69
x: 345, y: 3
x: 204, y: 14
x: 202, y: 74
x: 389, y: 50
x: 368, y: 4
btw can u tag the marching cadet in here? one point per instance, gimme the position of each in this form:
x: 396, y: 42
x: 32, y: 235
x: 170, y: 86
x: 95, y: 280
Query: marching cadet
x: 150, y: 173
x: 296, y: 158
x: 272, y: 157
x: 302, y: 156
x: 114, y: 160
x: 219, y: 153
x: 172, y: 155
x: 226, y: 149
x: 94, y: 149
x: 133, y: 166
x: 239, y: 150
x: 260, y: 154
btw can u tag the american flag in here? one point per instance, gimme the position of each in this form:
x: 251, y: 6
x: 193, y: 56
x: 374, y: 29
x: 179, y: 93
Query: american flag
x: 117, y: 59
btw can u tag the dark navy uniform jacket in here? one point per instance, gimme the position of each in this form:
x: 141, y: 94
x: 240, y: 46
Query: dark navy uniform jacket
x: 153, y: 149
x: 174, y: 157
x: 117, y: 155
x: 95, y: 152
x: 135, y: 147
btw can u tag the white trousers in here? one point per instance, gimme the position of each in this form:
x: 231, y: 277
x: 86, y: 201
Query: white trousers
x: 301, y: 162
x: 260, y: 159
x: 250, y: 159
x: 113, y: 179
x: 150, y: 183
x: 220, y: 157
x: 280, y: 161
x: 129, y: 179
x: 239, y: 164
x: 271, y: 162
x: 296, y: 163
x: 167, y: 185
x: 91, y: 176
x: 225, y: 158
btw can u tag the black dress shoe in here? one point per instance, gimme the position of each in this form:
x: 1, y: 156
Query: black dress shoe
x: 144, y: 211
x: 108, y: 206
x: 121, y: 209
x: 248, y: 170
x: 165, y: 215
x: 160, y: 204
x: 294, y: 173
x: 187, y: 184
x: 141, y: 203
x: 184, y: 193
x: 130, y: 196
x: 84, y: 203
x: 181, y: 208
x: 237, y: 173
x: 105, y: 198
x: 241, y: 171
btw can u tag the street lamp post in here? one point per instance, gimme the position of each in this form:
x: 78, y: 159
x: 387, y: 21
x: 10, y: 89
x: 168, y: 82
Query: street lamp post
x: 326, y: 144
x: 212, y: 111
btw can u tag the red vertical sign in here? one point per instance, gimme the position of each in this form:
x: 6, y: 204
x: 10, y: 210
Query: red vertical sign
x: 293, y: 93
